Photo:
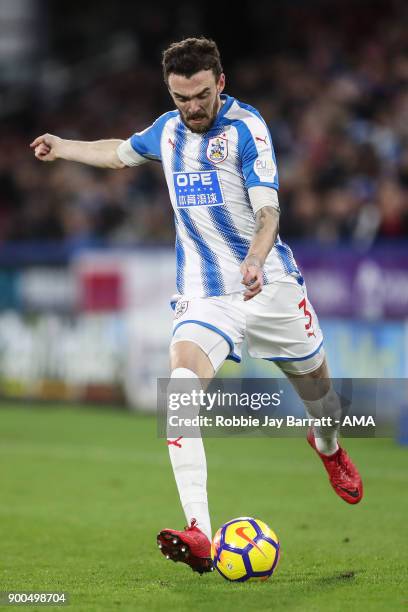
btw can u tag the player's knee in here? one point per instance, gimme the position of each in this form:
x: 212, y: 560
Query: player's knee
x: 189, y: 355
x: 310, y: 376
x: 321, y: 371
x: 199, y: 348
x: 313, y: 367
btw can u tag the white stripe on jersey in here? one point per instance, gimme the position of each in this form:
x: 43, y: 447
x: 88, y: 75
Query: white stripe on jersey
x: 192, y: 264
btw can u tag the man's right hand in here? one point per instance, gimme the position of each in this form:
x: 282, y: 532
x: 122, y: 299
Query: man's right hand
x: 46, y: 147
x: 252, y: 276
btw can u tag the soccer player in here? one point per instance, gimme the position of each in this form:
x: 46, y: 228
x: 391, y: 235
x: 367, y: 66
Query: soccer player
x: 235, y: 277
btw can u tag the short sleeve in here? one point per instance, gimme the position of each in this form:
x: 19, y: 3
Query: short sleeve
x: 128, y: 155
x: 146, y: 144
x: 257, y: 155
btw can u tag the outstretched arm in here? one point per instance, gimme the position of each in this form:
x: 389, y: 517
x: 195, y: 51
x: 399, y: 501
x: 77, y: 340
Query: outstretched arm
x: 100, y: 153
x: 266, y: 231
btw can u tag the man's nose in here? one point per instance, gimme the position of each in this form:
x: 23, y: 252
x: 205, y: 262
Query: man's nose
x: 194, y: 107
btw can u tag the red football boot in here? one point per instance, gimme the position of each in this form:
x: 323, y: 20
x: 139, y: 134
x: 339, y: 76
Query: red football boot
x: 343, y: 474
x: 190, y: 546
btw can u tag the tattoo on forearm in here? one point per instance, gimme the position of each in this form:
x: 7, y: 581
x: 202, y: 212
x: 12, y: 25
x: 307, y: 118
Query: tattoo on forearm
x: 259, y: 221
x: 262, y: 216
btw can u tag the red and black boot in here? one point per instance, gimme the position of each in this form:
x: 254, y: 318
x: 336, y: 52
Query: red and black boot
x: 343, y: 474
x: 190, y: 546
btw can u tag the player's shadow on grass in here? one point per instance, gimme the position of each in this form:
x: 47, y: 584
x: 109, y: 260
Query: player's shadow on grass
x: 345, y: 577
x: 336, y: 579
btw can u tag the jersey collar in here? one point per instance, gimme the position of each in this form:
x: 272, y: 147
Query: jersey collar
x: 227, y: 103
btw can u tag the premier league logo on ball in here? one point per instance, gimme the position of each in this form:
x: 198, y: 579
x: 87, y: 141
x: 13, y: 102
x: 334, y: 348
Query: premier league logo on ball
x: 217, y: 149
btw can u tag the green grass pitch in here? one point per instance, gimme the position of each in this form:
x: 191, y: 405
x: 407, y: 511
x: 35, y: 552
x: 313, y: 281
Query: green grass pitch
x: 83, y: 493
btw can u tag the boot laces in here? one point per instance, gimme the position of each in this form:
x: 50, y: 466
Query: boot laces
x: 342, y: 472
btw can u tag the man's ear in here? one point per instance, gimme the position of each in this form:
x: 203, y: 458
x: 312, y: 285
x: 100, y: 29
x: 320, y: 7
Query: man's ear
x: 221, y: 83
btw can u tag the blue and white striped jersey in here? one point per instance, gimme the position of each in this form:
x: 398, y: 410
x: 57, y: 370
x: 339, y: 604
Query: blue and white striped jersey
x: 208, y: 177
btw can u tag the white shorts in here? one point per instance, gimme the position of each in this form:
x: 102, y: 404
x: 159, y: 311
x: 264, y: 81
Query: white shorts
x: 279, y: 324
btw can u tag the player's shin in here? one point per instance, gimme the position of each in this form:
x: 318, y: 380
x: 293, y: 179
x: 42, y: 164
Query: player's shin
x: 186, y: 447
x: 328, y: 410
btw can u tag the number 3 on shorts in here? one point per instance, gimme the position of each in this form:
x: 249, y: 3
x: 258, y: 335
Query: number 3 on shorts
x: 308, y: 314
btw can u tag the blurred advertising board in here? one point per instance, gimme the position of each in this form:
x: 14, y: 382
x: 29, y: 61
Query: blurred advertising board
x: 100, y: 328
x: 355, y: 349
x: 117, y: 357
x: 51, y: 356
x: 343, y: 282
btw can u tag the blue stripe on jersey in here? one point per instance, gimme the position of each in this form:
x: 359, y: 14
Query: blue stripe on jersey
x: 221, y: 216
x: 210, y: 269
x: 247, y: 149
x: 246, y: 144
x: 248, y: 153
x: 253, y: 110
x: 177, y: 163
x: 179, y: 144
x: 238, y: 167
x: 180, y: 261
x: 147, y: 143
x: 286, y: 256
x: 222, y: 219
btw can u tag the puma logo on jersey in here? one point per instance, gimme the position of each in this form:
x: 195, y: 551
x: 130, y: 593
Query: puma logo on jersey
x: 261, y: 139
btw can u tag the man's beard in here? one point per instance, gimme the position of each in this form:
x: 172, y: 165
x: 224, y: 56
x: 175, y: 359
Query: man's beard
x: 205, y: 125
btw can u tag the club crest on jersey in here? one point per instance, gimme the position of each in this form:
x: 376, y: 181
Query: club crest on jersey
x: 217, y: 149
x: 180, y: 309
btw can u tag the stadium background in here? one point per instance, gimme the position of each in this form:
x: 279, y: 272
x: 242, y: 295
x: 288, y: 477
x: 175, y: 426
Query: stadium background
x: 86, y: 255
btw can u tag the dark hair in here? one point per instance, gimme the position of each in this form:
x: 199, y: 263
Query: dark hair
x: 190, y: 56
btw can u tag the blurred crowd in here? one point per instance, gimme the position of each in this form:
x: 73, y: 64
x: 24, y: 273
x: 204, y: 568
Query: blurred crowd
x: 334, y: 93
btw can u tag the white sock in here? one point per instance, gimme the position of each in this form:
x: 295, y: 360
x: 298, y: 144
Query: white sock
x: 187, y: 457
x: 327, y: 406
